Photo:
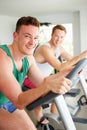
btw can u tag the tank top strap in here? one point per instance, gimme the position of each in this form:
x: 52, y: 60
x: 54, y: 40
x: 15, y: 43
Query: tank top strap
x: 6, y: 49
x: 19, y: 75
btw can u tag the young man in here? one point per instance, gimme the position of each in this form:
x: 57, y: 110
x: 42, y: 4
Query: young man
x: 17, y: 61
x: 46, y: 57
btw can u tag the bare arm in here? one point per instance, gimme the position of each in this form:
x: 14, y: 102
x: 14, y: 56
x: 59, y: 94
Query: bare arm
x: 76, y: 59
x: 71, y: 60
x: 12, y: 90
x: 46, y: 54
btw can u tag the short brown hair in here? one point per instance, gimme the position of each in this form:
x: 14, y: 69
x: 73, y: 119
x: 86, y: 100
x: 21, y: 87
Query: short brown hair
x: 28, y: 20
x: 60, y: 27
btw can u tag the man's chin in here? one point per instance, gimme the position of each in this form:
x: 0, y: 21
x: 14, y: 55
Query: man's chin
x: 31, y: 53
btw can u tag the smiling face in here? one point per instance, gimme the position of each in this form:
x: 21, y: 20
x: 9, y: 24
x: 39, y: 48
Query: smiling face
x: 57, y: 37
x: 26, y: 39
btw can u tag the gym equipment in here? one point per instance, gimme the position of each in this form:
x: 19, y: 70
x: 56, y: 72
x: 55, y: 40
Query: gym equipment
x: 64, y: 121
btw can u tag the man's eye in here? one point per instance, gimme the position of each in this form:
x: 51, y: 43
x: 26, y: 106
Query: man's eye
x: 27, y: 36
x: 36, y: 38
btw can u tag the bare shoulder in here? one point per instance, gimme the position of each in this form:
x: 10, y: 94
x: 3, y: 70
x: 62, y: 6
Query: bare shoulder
x: 42, y: 53
x: 44, y: 49
x: 3, y: 56
x: 5, y: 61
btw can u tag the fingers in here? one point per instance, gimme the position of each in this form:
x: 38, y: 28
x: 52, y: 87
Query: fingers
x: 60, y: 85
x: 57, y: 83
x: 84, y: 54
x: 65, y: 86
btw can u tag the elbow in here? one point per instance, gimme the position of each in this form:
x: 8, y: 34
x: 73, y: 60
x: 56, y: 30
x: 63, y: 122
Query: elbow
x: 20, y: 103
x: 20, y: 107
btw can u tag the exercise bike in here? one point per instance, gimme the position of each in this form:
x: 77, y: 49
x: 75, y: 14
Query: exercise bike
x: 64, y: 121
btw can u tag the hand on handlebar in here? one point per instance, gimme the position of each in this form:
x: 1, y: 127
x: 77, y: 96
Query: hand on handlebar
x: 58, y: 83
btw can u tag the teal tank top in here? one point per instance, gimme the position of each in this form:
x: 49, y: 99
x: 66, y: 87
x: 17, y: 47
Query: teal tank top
x: 20, y: 76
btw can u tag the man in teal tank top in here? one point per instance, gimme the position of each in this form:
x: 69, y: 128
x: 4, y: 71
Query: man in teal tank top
x: 17, y: 62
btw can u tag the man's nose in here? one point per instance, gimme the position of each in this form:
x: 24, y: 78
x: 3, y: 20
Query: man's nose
x: 32, y: 41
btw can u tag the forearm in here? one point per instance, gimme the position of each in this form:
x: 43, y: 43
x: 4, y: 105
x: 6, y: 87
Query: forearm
x: 77, y: 58
x: 31, y: 95
x: 56, y: 83
x: 73, y: 61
